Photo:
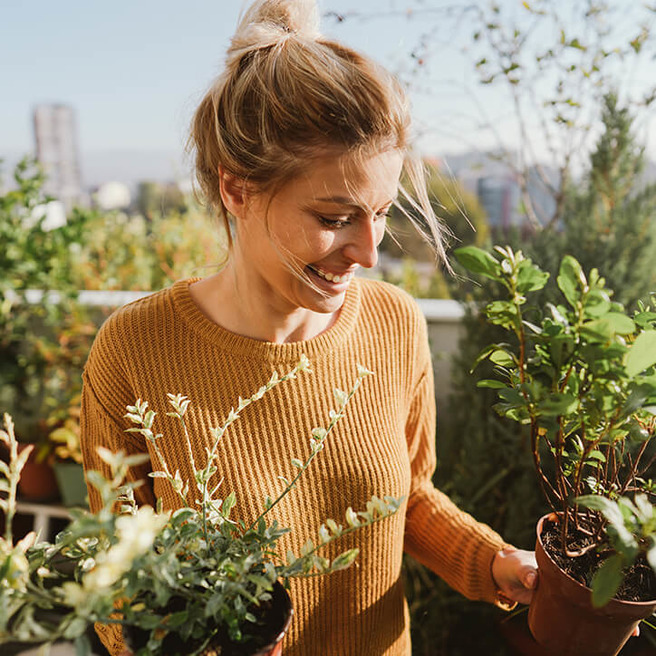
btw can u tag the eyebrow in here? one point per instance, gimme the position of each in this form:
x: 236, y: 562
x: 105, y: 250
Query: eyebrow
x: 345, y: 200
x: 341, y: 200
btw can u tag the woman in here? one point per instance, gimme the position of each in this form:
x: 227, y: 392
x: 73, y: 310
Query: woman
x: 302, y: 143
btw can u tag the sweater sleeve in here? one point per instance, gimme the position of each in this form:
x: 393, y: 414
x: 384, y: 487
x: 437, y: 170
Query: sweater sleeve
x: 105, y: 394
x: 438, y: 534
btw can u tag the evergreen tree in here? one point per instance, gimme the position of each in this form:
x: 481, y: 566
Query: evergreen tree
x: 609, y: 222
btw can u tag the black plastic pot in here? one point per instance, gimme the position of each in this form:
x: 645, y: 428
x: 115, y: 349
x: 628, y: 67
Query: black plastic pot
x: 267, y: 641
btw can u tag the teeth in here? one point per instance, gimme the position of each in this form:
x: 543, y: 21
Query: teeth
x: 332, y: 277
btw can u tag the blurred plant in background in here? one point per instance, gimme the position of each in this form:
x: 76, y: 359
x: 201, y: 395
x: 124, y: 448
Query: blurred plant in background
x: 45, y: 336
x: 40, y: 342
x: 131, y: 252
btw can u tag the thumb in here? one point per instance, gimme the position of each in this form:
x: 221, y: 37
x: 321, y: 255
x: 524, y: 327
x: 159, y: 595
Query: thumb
x: 529, y: 578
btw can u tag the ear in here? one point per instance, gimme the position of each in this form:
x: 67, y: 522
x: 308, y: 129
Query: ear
x: 233, y: 192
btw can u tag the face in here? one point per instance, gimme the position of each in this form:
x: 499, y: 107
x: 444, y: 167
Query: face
x: 327, y: 223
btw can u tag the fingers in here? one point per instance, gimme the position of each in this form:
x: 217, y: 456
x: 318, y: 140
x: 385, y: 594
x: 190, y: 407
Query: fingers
x: 526, y: 567
x: 514, y: 571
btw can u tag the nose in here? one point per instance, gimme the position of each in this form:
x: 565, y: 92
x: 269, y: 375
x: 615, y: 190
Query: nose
x: 362, y: 247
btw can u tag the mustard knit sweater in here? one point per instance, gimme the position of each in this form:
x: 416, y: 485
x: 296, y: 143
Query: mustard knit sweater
x: 385, y: 445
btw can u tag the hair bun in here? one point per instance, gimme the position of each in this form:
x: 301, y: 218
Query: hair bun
x: 270, y: 22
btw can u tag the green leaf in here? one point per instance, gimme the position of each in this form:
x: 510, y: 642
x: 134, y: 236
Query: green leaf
x: 491, y: 384
x: 558, y: 404
x: 530, y: 277
x: 598, y: 330
x: 571, y: 279
x: 620, y: 323
x: 645, y: 319
x: 597, y: 303
x: 651, y: 555
x: 75, y: 628
x: 478, y: 261
x: 175, y: 620
x: 483, y: 355
x: 606, y: 581
x: 644, y: 508
x: 228, y: 504
x: 598, y: 456
x: 502, y: 358
x: 344, y: 560
x: 642, y: 353
x: 625, y: 540
x: 512, y: 396
x: 595, y: 502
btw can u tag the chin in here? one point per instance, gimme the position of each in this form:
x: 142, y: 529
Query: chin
x: 324, y: 305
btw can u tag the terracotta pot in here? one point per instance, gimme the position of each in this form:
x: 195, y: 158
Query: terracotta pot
x: 272, y: 632
x: 562, y: 619
x: 37, y: 481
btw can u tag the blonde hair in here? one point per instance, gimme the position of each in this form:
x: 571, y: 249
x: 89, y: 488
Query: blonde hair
x: 286, y: 96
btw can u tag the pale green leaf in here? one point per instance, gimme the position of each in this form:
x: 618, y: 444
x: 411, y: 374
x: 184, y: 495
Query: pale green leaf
x: 642, y: 353
x: 570, y: 279
x: 344, y: 560
x: 478, y: 261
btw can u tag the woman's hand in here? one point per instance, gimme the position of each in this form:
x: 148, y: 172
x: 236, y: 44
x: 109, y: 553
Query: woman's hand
x: 515, y: 573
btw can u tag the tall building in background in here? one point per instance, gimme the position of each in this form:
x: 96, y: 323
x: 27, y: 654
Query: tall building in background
x: 56, y: 149
x: 500, y: 196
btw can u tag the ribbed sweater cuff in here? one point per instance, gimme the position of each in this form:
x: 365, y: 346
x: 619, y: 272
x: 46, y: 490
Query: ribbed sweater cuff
x: 454, y: 545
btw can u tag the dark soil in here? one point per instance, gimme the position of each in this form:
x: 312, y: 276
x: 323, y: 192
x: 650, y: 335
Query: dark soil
x: 271, y: 619
x: 639, y: 583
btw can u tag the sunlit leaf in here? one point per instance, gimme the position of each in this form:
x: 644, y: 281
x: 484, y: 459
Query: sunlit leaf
x: 570, y: 279
x: 642, y: 353
x: 478, y: 261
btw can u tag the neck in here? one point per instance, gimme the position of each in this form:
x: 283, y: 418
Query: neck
x: 226, y: 299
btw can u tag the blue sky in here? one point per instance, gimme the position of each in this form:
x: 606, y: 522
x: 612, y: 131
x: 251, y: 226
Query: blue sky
x: 135, y: 69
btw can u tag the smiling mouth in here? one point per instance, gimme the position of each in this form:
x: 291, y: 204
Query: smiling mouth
x: 332, y: 277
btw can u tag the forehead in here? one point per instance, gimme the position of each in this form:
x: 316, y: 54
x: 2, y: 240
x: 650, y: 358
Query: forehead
x: 371, y: 179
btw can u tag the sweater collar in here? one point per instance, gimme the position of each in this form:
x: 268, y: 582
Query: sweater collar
x: 329, y: 340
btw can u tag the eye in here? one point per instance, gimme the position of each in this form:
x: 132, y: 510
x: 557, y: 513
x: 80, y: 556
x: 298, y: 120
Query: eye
x: 334, y: 223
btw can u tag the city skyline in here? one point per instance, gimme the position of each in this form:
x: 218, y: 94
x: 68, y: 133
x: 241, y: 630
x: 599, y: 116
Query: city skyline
x: 134, y: 72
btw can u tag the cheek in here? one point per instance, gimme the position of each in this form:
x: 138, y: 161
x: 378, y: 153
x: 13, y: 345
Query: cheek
x: 316, y: 243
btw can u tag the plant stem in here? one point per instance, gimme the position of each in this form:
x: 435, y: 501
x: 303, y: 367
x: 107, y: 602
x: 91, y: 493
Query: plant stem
x: 14, y: 477
x: 320, y: 443
x: 234, y: 415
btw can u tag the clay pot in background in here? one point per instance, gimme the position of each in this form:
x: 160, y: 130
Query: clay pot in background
x: 37, y: 481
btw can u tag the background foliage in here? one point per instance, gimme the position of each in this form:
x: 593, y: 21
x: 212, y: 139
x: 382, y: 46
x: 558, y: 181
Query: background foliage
x: 44, y: 343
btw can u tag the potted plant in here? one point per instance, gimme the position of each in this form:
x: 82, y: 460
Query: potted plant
x: 67, y: 455
x: 183, y: 582
x: 581, y: 376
